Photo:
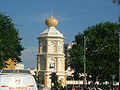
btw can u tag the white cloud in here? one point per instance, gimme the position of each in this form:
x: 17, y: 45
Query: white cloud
x: 29, y: 56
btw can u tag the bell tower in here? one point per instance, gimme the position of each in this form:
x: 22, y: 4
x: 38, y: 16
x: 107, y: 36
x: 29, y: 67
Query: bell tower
x: 50, y: 57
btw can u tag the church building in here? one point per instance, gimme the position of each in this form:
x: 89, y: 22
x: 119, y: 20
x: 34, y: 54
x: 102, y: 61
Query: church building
x: 51, y: 57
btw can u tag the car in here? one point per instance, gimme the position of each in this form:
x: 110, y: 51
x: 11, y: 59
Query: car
x: 17, y: 80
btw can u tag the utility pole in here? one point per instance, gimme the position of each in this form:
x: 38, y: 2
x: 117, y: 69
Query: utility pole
x: 119, y: 47
x: 84, y: 81
x: 119, y: 55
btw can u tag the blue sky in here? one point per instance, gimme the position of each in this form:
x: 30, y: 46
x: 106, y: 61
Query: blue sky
x: 73, y: 15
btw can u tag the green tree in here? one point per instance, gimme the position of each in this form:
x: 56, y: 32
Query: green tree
x: 116, y: 1
x: 10, y: 46
x: 102, y: 52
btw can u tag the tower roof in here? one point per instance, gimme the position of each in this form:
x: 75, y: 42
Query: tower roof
x: 51, y: 32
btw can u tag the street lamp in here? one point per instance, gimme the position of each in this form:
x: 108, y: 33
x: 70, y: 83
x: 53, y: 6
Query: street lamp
x: 119, y: 53
x: 84, y: 81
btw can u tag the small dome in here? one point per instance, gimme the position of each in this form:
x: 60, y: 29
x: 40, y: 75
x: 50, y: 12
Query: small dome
x: 51, y: 22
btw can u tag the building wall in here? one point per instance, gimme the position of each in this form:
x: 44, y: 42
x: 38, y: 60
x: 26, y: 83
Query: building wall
x: 11, y: 64
x: 19, y: 66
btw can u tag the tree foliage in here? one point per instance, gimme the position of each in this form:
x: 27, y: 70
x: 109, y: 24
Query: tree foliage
x: 116, y: 1
x: 102, y: 52
x: 10, y: 46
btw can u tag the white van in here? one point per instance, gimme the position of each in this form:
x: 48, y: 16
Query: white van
x: 17, y: 81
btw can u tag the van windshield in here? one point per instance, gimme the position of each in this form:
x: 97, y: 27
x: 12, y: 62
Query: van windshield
x: 17, y: 80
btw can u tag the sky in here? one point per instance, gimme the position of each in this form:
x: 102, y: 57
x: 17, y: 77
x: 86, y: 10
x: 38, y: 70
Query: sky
x: 74, y: 16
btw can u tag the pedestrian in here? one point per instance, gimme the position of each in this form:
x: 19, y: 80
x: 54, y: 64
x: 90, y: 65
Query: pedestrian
x: 61, y: 88
x: 118, y: 88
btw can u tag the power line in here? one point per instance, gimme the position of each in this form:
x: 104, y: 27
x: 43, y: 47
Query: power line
x: 90, y: 11
x: 86, y: 12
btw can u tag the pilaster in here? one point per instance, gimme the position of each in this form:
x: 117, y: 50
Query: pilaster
x: 38, y: 63
x: 62, y: 47
x: 39, y: 50
x: 47, y: 47
x: 65, y: 81
x: 57, y: 47
x: 46, y: 63
x: 45, y: 81
x: 63, y: 64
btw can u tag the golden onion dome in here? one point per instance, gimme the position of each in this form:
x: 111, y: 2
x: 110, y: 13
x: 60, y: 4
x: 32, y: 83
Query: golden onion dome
x: 51, y: 22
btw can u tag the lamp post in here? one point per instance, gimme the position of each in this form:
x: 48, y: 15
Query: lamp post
x: 119, y: 48
x: 84, y: 81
